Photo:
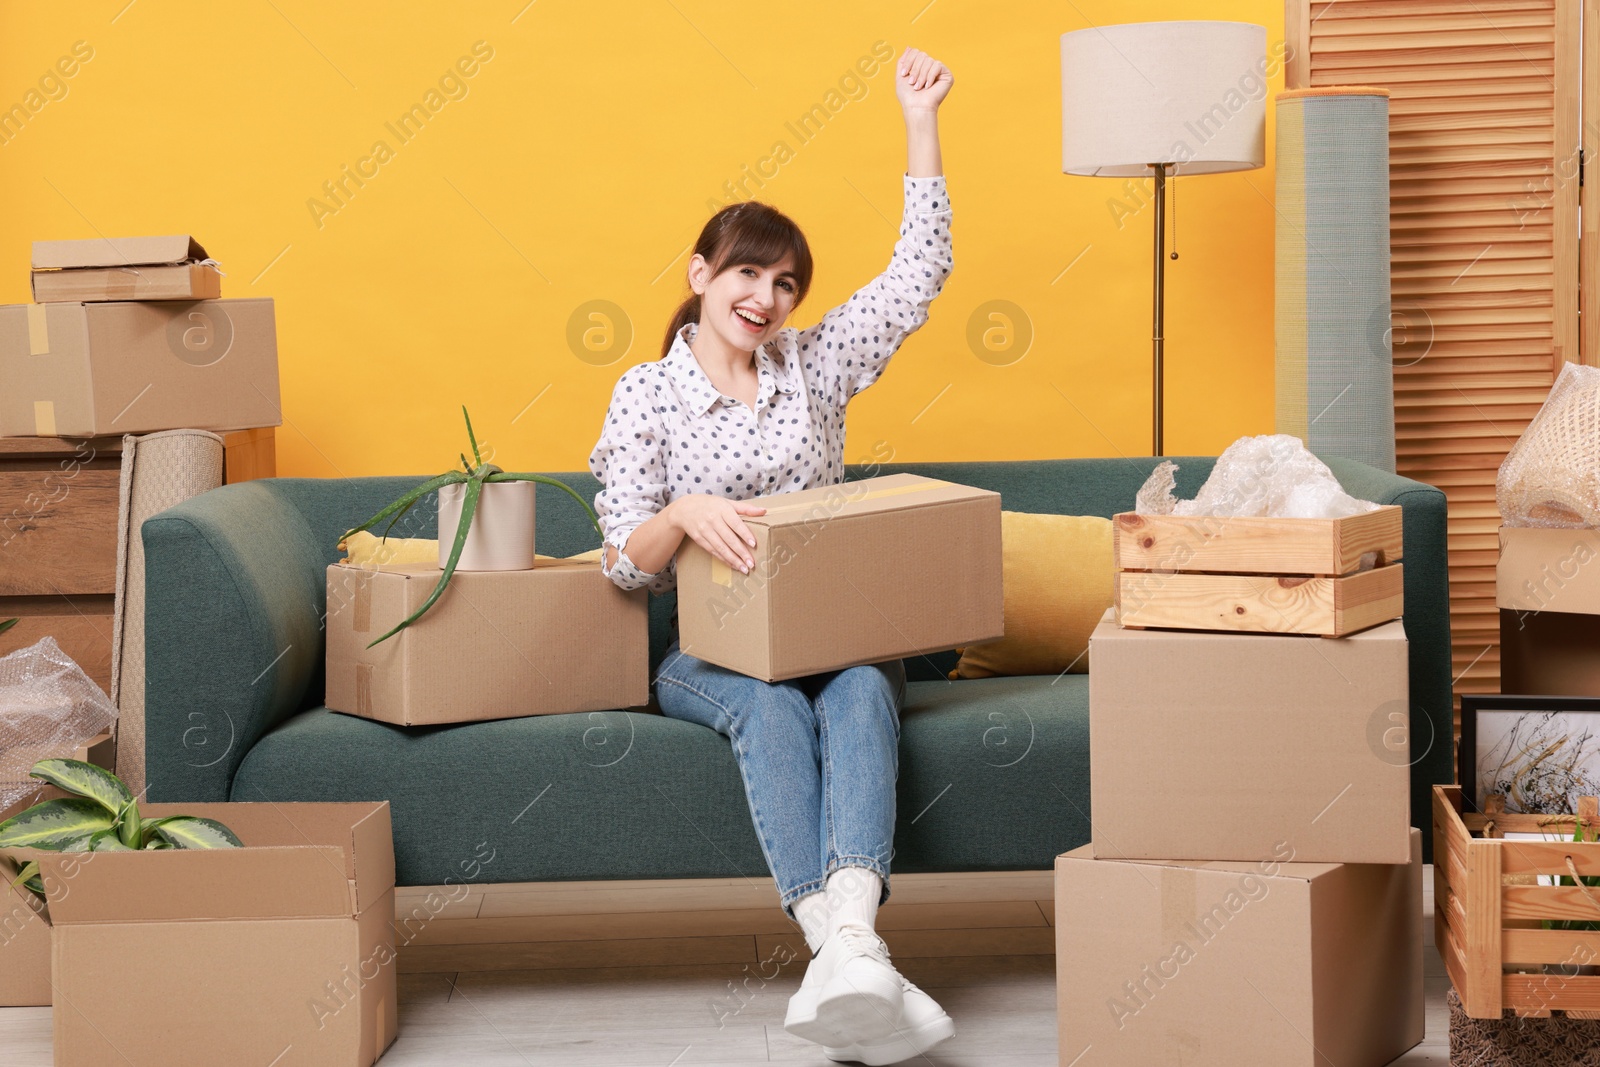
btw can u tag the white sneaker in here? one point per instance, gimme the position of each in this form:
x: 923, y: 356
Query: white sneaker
x: 923, y: 1024
x: 850, y: 993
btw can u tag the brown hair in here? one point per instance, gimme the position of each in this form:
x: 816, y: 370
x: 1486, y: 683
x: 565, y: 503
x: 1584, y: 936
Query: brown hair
x: 747, y: 232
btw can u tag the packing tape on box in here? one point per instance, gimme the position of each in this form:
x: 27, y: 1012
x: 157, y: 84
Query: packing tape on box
x: 122, y: 283
x: 44, y: 418
x: 364, y: 689
x: 722, y: 574
x: 1178, y: 895
x: 38, y: 331
x: 361, y: 610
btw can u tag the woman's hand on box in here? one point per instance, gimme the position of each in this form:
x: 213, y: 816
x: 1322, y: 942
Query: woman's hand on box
x: 715, y: 524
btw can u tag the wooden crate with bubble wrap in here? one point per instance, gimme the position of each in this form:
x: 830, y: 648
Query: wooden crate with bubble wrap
x: 1329, y: 577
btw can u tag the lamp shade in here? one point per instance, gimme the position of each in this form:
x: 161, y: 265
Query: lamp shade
x: 1191, y: 94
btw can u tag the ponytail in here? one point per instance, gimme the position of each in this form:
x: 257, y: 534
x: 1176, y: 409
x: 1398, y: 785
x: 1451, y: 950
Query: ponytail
x: 688, y: 311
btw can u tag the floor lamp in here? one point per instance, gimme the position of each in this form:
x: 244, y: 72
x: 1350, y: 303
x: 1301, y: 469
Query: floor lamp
x: 1163, y: 99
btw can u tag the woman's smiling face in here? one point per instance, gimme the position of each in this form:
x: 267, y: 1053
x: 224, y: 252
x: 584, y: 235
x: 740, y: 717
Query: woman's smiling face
x: 746, y: 305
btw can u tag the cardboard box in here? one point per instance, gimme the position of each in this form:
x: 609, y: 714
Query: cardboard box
x: 24, y: 936
x: 124, y: 268
x: 1272, y: 962
x: 1219, y: 746
x: 846, y: 574
x: 498, y: 644
x: 1547, y: 587
x: 280, y: 952
x: 80, y: 370
x: 1548, y: 570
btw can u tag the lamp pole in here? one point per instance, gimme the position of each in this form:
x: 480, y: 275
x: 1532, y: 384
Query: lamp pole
x: 1160, y: 277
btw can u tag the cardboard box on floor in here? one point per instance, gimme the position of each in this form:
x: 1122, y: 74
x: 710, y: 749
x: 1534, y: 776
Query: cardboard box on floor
x: 859, y: 572
x: 82, y: 370
x: 24, y: 937
x: 1218, y: 746
x: 555, y: 639
x: 1222, y: 964
x: 280, y: 952
x: 124, y: 268
x: 1547, y: 587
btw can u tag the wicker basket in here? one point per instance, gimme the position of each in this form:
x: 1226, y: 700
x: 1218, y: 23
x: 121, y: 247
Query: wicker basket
x: 1518, y: 1042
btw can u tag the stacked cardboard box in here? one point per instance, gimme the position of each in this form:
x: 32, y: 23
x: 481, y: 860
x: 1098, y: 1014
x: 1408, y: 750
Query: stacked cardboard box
x: 1547, y: 586
x: 130, y: 336
x: 1254, y: 890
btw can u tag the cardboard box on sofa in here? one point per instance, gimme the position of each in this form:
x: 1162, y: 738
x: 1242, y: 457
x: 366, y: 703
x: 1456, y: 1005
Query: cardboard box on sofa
x: 24, y: 937
x: 558, y: 638
x: 858, y: 572
x: 1547, y: 586
x: 1214, y: 964
x: 183, y: 957
x: 124, y: 268
x: 1218, y: 745
x: 80, y: 370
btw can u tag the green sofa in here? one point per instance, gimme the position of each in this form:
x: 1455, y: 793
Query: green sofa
x: 994, y: 773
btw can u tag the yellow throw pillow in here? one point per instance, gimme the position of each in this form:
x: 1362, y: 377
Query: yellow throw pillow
x: 364, y: 548
x: 1058, y: 573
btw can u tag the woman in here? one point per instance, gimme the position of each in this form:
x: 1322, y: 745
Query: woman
x: 740, y: 406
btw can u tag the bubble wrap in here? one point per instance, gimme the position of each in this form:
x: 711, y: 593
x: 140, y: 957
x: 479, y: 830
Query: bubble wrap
x: 48, y: 709
x: 1551, y: 476
x: 1273, y: 475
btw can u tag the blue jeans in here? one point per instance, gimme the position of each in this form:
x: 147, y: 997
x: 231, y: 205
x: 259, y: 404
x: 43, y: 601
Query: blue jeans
x: 819, y: 756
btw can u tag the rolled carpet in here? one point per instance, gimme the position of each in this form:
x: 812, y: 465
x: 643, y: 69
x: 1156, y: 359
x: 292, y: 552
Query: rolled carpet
x: 1334, y: 352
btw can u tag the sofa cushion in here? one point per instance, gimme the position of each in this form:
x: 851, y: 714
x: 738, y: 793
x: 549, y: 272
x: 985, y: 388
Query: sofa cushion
x: 994, y: 775
x: 1057, y: 576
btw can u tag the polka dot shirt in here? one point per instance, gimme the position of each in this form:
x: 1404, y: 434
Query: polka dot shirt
x: 669, y: 432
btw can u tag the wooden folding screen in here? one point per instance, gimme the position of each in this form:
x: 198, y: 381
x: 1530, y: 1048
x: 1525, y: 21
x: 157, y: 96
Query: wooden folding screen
x: 1484, y: 221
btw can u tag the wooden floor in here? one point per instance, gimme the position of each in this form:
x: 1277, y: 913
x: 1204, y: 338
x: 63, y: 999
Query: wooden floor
x: 625, y: 974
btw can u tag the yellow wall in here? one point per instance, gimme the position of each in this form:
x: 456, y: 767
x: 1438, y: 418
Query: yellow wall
x: 577, y: 167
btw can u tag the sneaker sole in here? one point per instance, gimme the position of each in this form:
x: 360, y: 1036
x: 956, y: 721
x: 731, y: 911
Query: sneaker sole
x: 899, y: 1046
x: 858, y: 1010
x: 801, y: 1018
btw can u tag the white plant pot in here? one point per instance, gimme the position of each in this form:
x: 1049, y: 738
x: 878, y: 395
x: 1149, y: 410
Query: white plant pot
x: 501, y: 538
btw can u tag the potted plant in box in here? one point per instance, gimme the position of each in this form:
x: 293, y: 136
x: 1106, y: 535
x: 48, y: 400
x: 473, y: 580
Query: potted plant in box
x: 461, y: 491
x: 102, y: 816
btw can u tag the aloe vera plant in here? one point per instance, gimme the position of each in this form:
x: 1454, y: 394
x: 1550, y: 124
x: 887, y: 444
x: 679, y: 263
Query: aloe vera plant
x: 474, y: 477
x: 8, y: 624
x: 102, y: 816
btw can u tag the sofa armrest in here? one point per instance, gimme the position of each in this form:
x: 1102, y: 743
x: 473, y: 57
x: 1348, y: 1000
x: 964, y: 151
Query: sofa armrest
x: 234, y: 587
x: 1427, y: 622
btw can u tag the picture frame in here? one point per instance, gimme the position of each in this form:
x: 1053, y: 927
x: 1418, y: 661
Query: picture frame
x: 1545, y: 748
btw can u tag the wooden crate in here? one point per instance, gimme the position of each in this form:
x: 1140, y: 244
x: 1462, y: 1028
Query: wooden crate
x: 1248, y: 545
x: 1260, y: 603
x: 1488, y: 910
x: 1258, y: 575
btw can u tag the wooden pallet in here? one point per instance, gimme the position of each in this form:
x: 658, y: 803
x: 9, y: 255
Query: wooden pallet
x: 1259, y: 575
x: 1488, y: 909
